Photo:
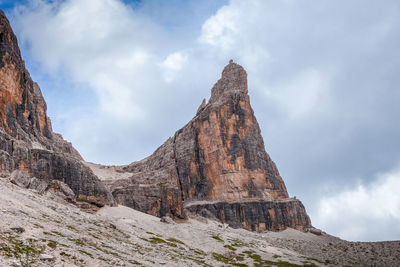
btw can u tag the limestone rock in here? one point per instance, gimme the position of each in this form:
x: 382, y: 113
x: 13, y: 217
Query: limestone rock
x: 215, y: 166
x: 20, y: 178
x: 167, y: 220
x: 27, y: 142
x: 62, y: 190
x: 314, y: 231
x: 18, y: 229
x: 255, y: 215
x: 38, y: 185
x: 46, y: 257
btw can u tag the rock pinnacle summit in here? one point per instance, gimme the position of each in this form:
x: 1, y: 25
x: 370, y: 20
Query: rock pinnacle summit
x: 215, y: 166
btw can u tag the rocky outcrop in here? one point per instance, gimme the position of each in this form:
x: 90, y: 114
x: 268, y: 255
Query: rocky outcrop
x: 153, y: 184
x: 220, y: 154
x: 255, y: 215
x: 215, y: 166
x: 27, y: 142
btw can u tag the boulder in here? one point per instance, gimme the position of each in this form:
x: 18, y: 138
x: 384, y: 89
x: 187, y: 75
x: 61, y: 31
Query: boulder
x: 61, y: 190
x: 20, y: 178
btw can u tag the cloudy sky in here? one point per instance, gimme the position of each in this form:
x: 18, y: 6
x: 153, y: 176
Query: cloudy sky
x: 120, y: 77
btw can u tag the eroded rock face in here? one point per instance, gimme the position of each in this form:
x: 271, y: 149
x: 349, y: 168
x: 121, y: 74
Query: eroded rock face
x: 153, y: 184
x: 27, y: 142
x: 215, y: 166
x: 220, y: 154
x: 255, y: 215
x: 23, y: 107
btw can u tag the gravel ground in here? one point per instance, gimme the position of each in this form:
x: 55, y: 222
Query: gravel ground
x: 44, y: 230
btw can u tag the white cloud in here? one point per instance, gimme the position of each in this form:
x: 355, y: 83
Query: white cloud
x: 366, y: 212
x: 99, y: 43
x: 220, y: 29
x: 304, y: 95
x: 173, y: 64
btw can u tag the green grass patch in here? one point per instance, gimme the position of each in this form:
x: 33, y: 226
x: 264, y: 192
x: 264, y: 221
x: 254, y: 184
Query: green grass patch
x: 258, y: 261
x: 157, y: 240
x: 52, y: 244
x: 238, y: 243
x: 26, y: 254
x: 94, y: 236
x: 38, y: 225
x: 86, y: 253
x: 221, y: 258
x: 58, y: 233
x: 174, y: 240
x: 197, y: 251
x: 77, y: 242
x: 230, y: 247
x: 161, y: 241
x: 64, y: 254
x: 199, y: 261
x: 219, y: 239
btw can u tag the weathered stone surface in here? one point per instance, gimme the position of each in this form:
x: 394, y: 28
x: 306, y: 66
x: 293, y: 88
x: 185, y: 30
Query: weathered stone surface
x: 27, y: 142
x: 156, y: 200
x: 61, y: 190
x: 23, y: 107
x: 167, y: 220
x: 18, y: 229
x: 255, y: 215
x: 215, y: 166
x: 219, y: 156
x: 38, y: 185
x: 46, y: 257
x: 314, y: 231
x: 20, y: 178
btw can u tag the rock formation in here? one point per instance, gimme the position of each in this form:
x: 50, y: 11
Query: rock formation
x: 27, y: 142
x: 215, y: 166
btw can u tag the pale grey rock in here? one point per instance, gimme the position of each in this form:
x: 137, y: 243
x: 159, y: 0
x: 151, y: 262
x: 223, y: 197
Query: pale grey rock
x: 61, y: 190
x: 167, y: 219
x: 38, y: 185
x: 18, y: 229
x: 20, y: 178
x: 314, y: 231
x: 46, y: 257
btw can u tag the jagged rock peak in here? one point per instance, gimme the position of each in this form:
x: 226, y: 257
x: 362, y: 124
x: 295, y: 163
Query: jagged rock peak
x: 233, y: 81
x: 23, y: 107
x: 215, y: 166
x: 27, y: 142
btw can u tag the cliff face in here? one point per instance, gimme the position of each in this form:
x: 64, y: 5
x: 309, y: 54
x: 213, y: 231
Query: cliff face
x: 27, y: 142
x: 215, y: 166
x: 220, y: 153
